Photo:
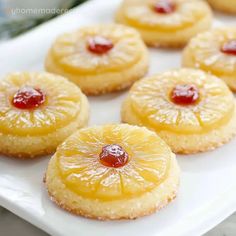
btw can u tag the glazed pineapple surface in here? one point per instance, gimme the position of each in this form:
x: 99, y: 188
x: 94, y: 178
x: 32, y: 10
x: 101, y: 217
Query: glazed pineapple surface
x: 165, y: 22
x: 99, y: 58
x: 205, y: 52
x: 71, y: 53
x: 61, y: 106
x: 82, y: 172
x: 141, y: 13
x: 151, y: 100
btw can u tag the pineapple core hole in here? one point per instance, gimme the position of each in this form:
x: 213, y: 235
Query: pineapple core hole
x: 113, y: 155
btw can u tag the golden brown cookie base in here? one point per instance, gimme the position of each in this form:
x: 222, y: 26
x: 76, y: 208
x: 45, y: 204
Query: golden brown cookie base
x: 174, y: 45
x: 210, y: 146
x: 226, y: 6
x: 169, y: 39
x: 87, y: 215
x: 27, y: 156
x: 123, y: 86
x: 106, y: 82
x: 146, y: 204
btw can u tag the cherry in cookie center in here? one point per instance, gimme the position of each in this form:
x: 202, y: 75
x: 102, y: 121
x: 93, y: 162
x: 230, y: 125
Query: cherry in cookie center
x: 229, y: 47
x: 28, y: 98
x: 187, y: 94
x: 113, y: 156
x: 99, y: 45
x: 164, y: 6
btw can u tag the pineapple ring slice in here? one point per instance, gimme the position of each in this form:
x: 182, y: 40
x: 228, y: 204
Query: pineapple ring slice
x: 76, y: 163
x: 96, y: 73
x: 63, y: 104
x: 71, y: 53
x: 149, y: 104
x: 204, y: 52
x: 36, y: 131
x: 173, y: 29
x: 227, y: 6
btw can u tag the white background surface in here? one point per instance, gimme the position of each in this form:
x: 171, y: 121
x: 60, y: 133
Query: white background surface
x: 207, y: 193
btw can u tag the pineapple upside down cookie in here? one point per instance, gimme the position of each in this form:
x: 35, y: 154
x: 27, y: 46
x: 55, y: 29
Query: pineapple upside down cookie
x: 38, y: 111
x: 191, y: 110
x: 214, y: 52
x: 227, y: 6
x: 166, y: 23
x: 99, y: 58
x: 113, y: 172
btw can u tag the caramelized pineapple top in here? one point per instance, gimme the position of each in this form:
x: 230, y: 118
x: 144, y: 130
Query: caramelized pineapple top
x: 180, y: 13
x: 214, y: 50
x: 208, y: 101
x: 37, y: 103
x: 99, y: 48
x: 144, y: 161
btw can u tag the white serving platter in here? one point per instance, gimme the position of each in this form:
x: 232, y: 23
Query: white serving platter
x: 207, y: 193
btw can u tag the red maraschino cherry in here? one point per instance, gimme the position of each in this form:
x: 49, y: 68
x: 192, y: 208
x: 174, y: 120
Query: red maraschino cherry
x: 99, y: 45
x: 28, y: 98
x: 229, y: 47
x: 185, y: 94
x: 113, y: 156
x: 165, y: 7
